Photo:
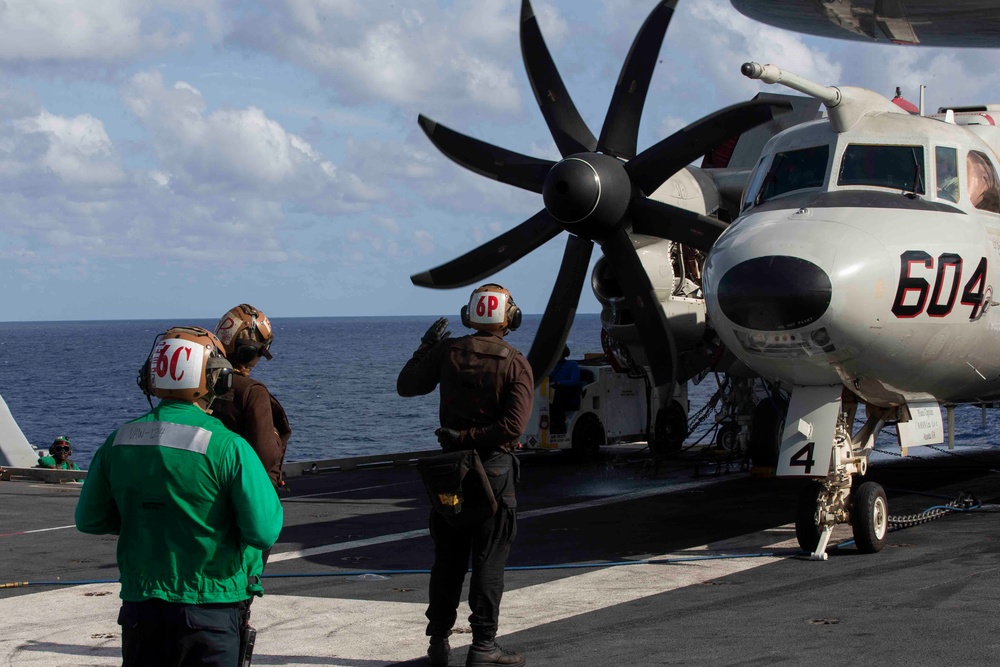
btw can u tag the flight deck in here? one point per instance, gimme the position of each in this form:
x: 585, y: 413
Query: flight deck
x: 617, y: 561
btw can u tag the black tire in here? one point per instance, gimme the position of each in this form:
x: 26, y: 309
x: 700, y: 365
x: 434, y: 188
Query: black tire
x: 670, y: 430
x: 725, y: 437
x: 807, y: 531
x: 869, y: 517
x: 765, y: 432
x: 588, y: 437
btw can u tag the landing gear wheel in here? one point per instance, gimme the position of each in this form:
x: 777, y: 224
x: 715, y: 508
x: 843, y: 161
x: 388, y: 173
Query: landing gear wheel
x: 588, y: 437
x: 765, y: 432
x: 670, y: 430
x: 807, y: 532
x: 725, y: 438
x: 869, y: 517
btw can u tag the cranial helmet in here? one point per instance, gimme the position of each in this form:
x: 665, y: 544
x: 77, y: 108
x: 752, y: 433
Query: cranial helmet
x: 61, y: 440
x: 246, y: 334
x: 491, y: 308
x: 187, y: 364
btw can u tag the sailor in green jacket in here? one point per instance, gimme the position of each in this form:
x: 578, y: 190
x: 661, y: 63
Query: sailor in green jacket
x: 193, y: 508
x: 59, y: 455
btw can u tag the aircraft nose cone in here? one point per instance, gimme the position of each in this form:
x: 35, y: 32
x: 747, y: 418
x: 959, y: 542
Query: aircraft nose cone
x: 775, y: 293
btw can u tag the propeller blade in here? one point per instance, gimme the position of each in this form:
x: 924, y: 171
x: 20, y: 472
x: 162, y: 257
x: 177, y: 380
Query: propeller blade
x: 651, y: 168
x: 492, y: 256
x: 654, y: 330
x: 550, y: 339
x: 565, y: 123
x: 666, y: 221
x: 621, y: 125
x: 486, y: 159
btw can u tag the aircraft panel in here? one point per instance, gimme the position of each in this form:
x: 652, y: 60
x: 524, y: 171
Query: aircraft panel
x: 961, y: 23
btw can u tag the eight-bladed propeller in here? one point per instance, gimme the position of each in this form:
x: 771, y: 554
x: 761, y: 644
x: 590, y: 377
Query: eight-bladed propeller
x: 594, y: 193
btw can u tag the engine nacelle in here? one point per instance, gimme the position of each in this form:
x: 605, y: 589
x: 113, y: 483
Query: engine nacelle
x: 685, y: 314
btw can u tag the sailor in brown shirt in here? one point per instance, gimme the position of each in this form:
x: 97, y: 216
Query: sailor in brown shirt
x: 253, y: 413
x: 486, y: 397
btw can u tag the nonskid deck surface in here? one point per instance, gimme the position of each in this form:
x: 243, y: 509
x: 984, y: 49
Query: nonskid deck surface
x: 927, y: 599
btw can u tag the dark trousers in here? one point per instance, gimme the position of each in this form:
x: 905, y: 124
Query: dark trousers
x: 156, y: 633
x: 487, y: 547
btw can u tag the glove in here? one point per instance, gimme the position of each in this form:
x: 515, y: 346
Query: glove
x: 437, y: 333
x: 448, y: 437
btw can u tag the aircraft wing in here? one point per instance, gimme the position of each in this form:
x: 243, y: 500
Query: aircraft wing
x: 961, y: 23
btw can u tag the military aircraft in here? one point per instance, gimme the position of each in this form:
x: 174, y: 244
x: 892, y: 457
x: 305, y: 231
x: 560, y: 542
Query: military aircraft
x: 857, y: 269
x: 961, y: 23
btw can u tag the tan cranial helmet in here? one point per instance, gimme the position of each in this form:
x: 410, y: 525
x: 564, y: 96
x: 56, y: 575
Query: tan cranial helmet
x: 187, y: 364
x: 246, y: 334
x: 491, y: 308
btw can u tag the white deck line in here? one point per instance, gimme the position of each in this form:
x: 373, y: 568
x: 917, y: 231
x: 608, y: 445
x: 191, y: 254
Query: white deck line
x: 77, y: 626
x: 545, y: 511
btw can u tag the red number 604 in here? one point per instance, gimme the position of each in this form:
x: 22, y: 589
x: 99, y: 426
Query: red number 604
x: 972, y: 294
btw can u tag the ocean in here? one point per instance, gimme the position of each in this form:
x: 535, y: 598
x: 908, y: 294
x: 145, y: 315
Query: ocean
x: 335, y: 376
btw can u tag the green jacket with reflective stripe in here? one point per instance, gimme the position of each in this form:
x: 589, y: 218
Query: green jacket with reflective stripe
x: 191, y: 503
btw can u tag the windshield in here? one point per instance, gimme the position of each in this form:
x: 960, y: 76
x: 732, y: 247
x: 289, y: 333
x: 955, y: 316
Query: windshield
x: 793, y: 170
x: 895, y: 167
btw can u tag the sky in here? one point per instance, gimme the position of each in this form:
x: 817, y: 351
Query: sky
x: 172, y: 158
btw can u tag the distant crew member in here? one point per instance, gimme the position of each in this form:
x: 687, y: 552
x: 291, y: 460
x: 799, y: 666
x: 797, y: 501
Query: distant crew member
x: 566, y: 387
x: 193, y: 508
x: 566, y: 370
x: 486, y: 397
x: 253, y: 413
x: 59, y: 455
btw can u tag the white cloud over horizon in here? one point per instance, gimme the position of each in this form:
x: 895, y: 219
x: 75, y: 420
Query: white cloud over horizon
x: 272, y: 148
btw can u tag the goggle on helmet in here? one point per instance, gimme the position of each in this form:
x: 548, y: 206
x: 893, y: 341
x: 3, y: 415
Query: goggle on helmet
x: 186, y: 364
x: 491, y: 308
x: 245, y: 327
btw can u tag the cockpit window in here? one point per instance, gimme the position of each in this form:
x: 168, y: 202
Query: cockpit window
x: 984, y: 190
x: 896, y: 167
x: 791, y: 170
x: 946, y: 166
x: 753, y: 186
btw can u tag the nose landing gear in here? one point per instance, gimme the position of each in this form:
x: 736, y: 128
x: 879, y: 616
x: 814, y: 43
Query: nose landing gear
x: 838, y: 498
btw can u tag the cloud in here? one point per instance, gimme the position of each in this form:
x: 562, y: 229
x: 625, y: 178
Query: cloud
x: 47, y: 31
x: 238, y: 151
x: 721, y: 39
x: 388, y: 224
x: 402, y: 53
x: 424, y: 241
x: 207, y: 179
x: 79, y: 150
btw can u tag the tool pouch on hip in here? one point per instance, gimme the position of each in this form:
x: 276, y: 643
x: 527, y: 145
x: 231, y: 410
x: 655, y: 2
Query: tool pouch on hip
x: 458, y: 487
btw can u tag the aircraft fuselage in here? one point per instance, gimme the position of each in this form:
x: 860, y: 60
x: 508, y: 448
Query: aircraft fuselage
x: 868, y: 257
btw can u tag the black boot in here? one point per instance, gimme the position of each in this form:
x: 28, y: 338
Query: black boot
x: 490, y: 653
x: 438, y: 651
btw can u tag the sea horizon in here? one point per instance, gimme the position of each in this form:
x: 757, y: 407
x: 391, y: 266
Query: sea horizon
x: 335, y: 376
x: 453, y: 316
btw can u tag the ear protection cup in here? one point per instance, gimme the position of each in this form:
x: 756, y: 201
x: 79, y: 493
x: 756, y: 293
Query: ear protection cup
x: 513, y: 317
x: 465, y: 318
x: 223, y: 383
x: 142, y: 379
x: 222, y: 371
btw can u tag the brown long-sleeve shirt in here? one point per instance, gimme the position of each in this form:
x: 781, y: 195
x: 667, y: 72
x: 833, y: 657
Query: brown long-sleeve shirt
x: 487, y: 388
x: 257, y: 416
